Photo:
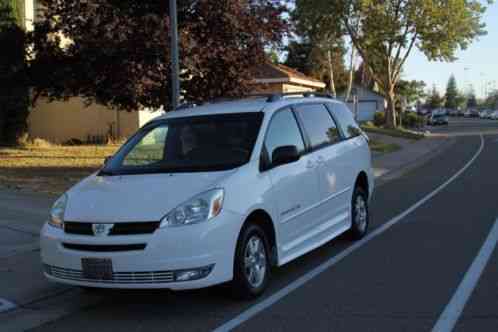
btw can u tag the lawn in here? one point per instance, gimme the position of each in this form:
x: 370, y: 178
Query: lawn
x: 398, y: 132
x: 381, y: 147
x: 51, y: 169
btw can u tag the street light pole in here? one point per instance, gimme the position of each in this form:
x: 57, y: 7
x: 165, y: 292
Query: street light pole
x: 175, y: 81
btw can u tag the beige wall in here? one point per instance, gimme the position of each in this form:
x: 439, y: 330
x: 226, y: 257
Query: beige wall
x: 296, y: 88
x: 147, y: 115
x: 59, y: 122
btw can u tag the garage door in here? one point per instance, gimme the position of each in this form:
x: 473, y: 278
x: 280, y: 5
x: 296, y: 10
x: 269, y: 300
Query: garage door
x: 366, y: 110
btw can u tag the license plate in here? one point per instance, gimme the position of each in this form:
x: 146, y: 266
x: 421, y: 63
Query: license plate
x: 97, y: 268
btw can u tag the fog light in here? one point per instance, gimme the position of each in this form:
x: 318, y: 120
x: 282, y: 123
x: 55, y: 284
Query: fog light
x: 193, y: 274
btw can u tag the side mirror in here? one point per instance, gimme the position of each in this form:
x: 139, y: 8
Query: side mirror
x: 284, y: 155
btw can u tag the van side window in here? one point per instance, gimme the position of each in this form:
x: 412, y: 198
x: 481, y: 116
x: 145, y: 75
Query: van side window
x: 318, y: 124
x: 344, y: 116
x: 283, y: 130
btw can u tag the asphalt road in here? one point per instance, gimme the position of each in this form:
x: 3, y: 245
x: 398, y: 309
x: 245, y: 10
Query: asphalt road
x: 431, y: 230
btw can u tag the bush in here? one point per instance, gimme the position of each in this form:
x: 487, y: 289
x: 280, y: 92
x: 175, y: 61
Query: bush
x: 28, y: 142
x: 412, y: 120
x: 379, y: 119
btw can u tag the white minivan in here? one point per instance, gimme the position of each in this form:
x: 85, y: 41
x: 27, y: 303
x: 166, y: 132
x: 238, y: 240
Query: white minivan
x: 218, y: 193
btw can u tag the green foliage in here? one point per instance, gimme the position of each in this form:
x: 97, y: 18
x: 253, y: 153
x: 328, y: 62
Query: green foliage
x: 451, y: 93
x: 385, y: 33
x: 14, y: 92
x: 412, y: 120
x: 316, y: 35
x: 435, y: 100
x: 472, y: 101
x: 117, y: 53
x: 413, y: 91
x: 491, y: 102
x: 379, y: 119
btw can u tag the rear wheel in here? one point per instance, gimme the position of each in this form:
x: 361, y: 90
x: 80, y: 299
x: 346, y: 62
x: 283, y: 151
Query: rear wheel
x: 359, y: 213
x: 252, y: 264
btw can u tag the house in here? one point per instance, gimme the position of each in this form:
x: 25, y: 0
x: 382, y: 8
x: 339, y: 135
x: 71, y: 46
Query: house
x: 63, y: 121
x: 72, y: 120
x: 277, y: 78
x: 368, y: 102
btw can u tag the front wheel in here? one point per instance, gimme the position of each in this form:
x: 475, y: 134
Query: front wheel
x: 359, y: 214
x: 251, y: 266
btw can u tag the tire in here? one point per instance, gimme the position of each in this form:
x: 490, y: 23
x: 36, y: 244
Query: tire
x: 244, y: 286
x: 359, y: 204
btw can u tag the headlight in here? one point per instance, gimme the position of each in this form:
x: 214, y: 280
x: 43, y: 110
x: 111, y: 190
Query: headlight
x: 57, y: 212
x: 202, y: 207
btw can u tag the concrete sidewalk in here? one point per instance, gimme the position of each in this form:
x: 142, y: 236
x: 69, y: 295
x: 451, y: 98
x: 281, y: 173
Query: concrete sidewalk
x: 412, y: 154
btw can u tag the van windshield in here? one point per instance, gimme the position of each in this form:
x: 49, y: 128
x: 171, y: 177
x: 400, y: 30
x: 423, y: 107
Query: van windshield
x: 188, y: 144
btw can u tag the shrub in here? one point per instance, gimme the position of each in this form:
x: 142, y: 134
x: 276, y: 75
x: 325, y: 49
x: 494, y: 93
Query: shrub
x: 379, y: 119
x: 412, y: 120
x: 28, y: 142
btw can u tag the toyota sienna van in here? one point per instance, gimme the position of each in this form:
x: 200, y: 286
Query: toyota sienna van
x: 218, y: 193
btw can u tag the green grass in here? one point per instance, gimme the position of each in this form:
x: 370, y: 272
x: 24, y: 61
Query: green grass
x: 398, y: 132
x: 381, y: 147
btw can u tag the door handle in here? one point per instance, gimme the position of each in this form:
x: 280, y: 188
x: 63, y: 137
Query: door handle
x: 310, y: 164
x: 320, y: 160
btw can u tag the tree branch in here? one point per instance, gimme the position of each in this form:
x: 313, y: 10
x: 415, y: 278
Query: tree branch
x: 400, y: 65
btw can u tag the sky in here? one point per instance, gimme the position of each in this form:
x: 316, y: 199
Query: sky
x: 476, y: 66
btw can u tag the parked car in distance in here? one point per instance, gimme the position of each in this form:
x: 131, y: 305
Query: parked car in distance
x: 453, y: 112
x: 423, y: 111
x: 204, y: 197
x: 483, y: 114
x: 494, y: 115
x: 437, y: 119
x: 467, y: 114
x: 489, y: 114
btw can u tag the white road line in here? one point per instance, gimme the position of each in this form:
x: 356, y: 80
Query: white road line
x: 272, y: 299
x: 454, y: 309
x: 6, y: 305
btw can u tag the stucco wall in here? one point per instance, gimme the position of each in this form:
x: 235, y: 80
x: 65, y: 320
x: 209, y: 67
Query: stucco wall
x: 59, y: 122
x: 296, y: 88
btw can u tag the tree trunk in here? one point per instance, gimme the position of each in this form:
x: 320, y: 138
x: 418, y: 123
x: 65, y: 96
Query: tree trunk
x: 351, y: 70
x: 391, y: 109
x: 331, y: 73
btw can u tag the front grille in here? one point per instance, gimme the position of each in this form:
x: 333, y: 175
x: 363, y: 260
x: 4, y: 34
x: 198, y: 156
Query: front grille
x: 117, y: 277
x: 104, y: 248
x: 127, y: 228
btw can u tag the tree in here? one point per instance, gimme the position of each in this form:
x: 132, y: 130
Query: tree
x: 386, y: 32
x: 117, y: 53
x: 491, y: 101
x: 413, y: 91
x: 435, y: 100
x: 471, y: 100
x: 451, y: 93
x: 315, y: 38
x: 14, y: 92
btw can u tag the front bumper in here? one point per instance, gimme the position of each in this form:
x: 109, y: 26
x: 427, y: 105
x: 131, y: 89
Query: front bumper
x: 209, y: 244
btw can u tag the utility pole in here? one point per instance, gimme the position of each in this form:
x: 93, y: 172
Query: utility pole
x: 175, y: 81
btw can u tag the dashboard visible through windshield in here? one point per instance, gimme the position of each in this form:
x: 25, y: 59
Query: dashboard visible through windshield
x: 189, y: 144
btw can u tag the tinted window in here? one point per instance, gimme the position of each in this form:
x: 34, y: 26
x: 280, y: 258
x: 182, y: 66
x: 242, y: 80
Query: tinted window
x: 319, y: 125
x: 344, y: 116
x: 283, y: 130
x: 189, y: 144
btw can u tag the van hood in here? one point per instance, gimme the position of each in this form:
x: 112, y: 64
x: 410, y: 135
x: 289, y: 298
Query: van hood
x: 135, y: 198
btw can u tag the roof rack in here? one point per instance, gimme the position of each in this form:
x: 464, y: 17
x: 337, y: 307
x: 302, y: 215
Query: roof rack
x: 183, y: 106
x: 277, y: 96
x: 270, y: 98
